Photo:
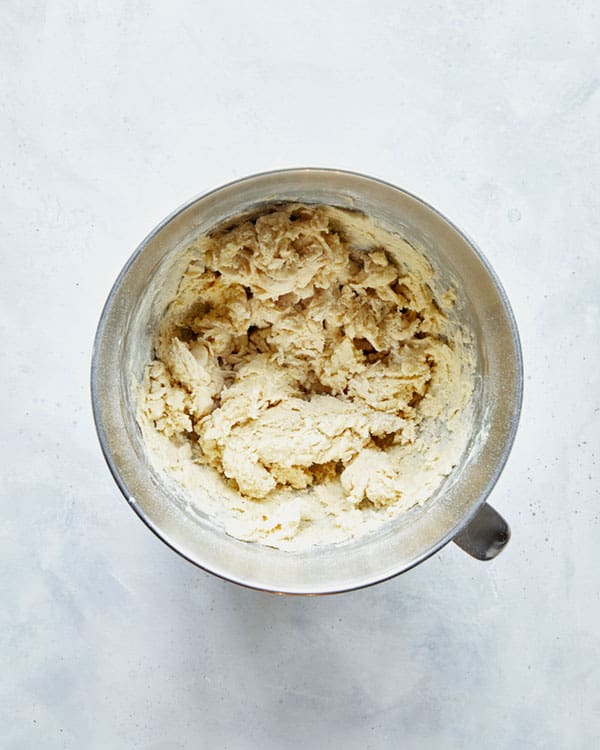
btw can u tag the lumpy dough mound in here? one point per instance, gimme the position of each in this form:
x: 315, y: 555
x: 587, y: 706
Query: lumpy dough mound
x: 306, y: 351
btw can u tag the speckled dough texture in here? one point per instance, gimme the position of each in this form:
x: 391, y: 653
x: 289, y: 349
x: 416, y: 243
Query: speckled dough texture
x: 311, y: 380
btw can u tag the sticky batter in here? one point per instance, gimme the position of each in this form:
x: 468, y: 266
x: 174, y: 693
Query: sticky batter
x: 308, y: 383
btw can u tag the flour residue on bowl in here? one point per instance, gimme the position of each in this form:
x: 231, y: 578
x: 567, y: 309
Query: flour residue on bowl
x: 311, y: 379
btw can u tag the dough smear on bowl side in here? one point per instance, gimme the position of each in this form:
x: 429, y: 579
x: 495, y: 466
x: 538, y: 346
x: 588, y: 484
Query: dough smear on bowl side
x: 308, y: 384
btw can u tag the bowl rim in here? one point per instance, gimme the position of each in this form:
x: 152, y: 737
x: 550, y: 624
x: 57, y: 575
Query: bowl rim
x: 373, y: 579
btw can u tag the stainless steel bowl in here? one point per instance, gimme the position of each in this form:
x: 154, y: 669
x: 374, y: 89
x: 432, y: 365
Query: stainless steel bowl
x: 458, y: 511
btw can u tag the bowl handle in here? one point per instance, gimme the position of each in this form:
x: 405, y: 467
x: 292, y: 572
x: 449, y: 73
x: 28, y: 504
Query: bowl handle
x: 485, y: 536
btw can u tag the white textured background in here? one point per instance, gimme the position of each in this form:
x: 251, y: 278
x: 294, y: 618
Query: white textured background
x: 111, y: 116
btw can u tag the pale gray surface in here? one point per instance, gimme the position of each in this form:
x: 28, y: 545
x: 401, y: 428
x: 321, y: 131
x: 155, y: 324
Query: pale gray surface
x: 110, y: 119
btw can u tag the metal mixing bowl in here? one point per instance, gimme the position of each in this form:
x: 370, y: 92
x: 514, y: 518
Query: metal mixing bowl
x: 457, y: 512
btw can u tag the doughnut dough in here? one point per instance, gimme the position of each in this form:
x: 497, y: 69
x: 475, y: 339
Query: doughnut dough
x: 311, y: 378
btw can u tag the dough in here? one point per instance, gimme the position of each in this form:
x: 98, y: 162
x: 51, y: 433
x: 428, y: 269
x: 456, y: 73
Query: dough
x: 308, y: 384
